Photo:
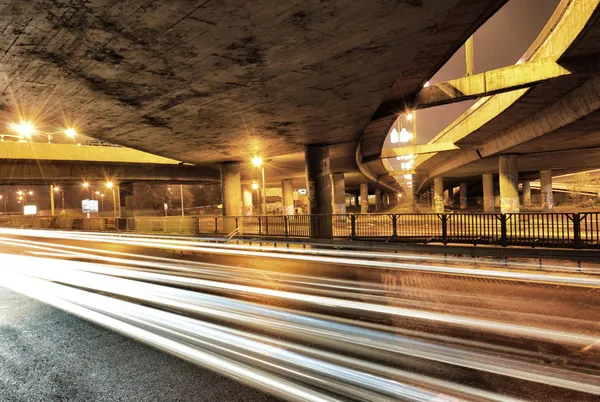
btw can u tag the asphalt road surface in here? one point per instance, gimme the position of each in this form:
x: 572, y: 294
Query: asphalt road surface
x: 299, y: 324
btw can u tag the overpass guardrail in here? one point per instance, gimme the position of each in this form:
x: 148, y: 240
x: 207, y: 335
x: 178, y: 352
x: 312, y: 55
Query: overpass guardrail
x: 566, y: 230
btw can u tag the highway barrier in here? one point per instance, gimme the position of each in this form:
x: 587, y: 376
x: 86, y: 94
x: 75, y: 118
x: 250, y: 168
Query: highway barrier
x: 567, y: 230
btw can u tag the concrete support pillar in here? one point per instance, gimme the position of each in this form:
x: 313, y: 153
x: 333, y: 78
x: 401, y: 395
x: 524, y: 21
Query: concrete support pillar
x: 546, y: 188
x: 287, y: 196
x: 526, y: 193
x: 438, y: 195
x: 51, y: 200
x: 488, y: 192
x: 125, y: 200
x: 463, y: 195
x: 377, y: 200
x: 231, y: 194
x: 247, y: 200
x: 339, y: 193
x: 318, y: 187
x: 364, y: 198
x: 509, y: 181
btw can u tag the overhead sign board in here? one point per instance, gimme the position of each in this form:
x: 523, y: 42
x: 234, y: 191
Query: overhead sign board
x: 88, y: 206
x: 29, y: 210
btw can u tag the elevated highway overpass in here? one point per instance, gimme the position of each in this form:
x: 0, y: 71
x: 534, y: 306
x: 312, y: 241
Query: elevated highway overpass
x: 206, y: 84
x: 534, y: 119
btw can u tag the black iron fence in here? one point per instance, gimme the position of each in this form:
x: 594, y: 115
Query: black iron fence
x: 568, y: 230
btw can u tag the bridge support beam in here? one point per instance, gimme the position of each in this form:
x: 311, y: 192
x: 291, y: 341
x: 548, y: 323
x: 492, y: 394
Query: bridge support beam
x: 339, y: 193
x: 438, y: 195
x: 231, y: 194
x: 364, y: 198
x: 287, y: 196
x: 526, y: 193
x: 509, y: 181
x: 463, y: 195
x: 488, y: 192
x: 247, y: 203
x: 318, y: 187
x: 546, y: 188
x: 377, y: 200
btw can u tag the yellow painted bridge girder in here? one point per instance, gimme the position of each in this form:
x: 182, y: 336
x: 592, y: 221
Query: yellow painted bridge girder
x: 84, y: 153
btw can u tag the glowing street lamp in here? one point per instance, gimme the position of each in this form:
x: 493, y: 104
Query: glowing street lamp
x: 255, y: 186
x: 85, y: 184
x: 24, y: 129
x: 71, y: 132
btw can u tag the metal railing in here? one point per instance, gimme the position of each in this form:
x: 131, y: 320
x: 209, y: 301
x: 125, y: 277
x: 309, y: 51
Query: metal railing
x: 568, y: 230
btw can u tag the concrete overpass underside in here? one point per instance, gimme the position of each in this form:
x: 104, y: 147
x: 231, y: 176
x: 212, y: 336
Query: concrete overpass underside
x: 23, y: 172
x: 206, y: 82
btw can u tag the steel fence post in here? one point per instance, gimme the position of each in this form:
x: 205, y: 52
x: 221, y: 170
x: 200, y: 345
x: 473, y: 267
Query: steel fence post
x: 503, y: 230
x: 353, y: 226
x: 394, y: 226
x: 285, y: 226
x: 577, y: 229
x: 444, y: 219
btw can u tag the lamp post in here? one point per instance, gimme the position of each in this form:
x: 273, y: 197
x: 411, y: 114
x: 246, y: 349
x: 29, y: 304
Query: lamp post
x: 3, y: 198
x: 102, y: 202
x: 181, y: 196
x: 255, y: 186
x: 258, y: 162
x: 62, y: 195
x: 110, y: 186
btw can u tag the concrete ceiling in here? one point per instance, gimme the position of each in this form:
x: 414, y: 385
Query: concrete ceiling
x: 211, y: 81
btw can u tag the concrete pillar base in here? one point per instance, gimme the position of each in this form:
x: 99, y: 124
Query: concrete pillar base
x: 438, y: 195
x: 231, y: 194
x: 546, y: 188
x: 287, y: 193
x: 318, y: 187
x: 364, y: 198
x: 339, y: 193
x: 509, y: 180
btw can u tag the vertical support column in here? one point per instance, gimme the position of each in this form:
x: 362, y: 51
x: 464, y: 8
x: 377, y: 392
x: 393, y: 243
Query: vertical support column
x: 438, y: 195
x: 231, y: 194
x: 364, y: 198
x: 339, y: 193
x: 526, y: 193
x: 287, y: 193
x: 488, y: 192
x: 247, y: 201
x: 463, y: 195
x: 509, y: 181
x: 377, y: 200
x: 546, y: 188
x: 125, y: 198
x: 356, y: 200
x: 51, y: 200
x: 318, y: 188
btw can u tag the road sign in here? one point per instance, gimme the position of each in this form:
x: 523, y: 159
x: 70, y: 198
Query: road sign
x: 29, y: 210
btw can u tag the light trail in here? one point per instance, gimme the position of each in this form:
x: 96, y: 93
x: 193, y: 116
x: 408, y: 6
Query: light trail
x: 573, y: 280
x: 272, y: 319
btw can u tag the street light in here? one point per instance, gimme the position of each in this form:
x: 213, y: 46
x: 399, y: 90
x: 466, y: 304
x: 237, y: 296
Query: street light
x: 258, y: 162
x: 70, y: 132
x: 24, y: 129
x: 62, y: 195
x: 110, y: 186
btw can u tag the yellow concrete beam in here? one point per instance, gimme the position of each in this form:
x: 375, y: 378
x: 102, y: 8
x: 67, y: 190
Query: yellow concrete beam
x: 418, y: 149
x: 84, y: 153
x: 490, y: 83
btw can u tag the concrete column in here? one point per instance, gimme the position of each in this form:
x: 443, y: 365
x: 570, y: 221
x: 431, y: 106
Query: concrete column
x: 231, y: 194
x: 125, y: 200
x: 51, y: 200
x: 364, y: 198
x: 463, y: 195
x: 438, y: 195
x: 339, y: 193
x: 509, y: 181
x: 377, y: 200
x: 287, y: 196
x: 526, y: 193
x: 318, y: 187
x: 488, y: 192
x: 247, y: 200
x: 356, y: 200
x: 546, y: 188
